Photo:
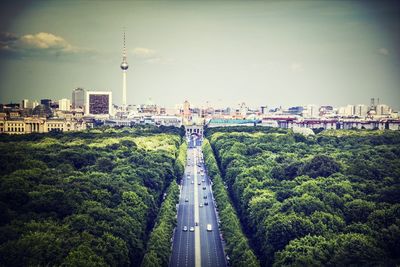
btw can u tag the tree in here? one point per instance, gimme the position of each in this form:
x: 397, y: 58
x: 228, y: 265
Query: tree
x: 321, y: 165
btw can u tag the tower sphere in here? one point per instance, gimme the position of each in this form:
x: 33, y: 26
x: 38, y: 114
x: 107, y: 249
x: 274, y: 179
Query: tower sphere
x: 124, y: 65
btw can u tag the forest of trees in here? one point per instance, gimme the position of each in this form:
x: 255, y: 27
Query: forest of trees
x: 89, y: 198
x: 332, y: 199
x: 237, y: 247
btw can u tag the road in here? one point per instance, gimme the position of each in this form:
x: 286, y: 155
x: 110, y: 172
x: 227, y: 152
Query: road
x: 201, y: 247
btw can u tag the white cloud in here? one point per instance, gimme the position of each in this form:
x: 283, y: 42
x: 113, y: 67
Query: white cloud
x: 143, y: 52
x: 37, y: 45
x: 383, y: 51
x: 296, y: 67
x: 44, y: 40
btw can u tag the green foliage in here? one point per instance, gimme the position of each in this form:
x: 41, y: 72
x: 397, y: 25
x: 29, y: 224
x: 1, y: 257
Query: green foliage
x: 159, y: 245
x: 236, y: 242
x: 326, y: 200
x: 87, y: 198
x: 181, y: 160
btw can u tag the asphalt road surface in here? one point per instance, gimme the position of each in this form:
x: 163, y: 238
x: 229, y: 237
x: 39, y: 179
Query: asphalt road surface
x: 200, y: 247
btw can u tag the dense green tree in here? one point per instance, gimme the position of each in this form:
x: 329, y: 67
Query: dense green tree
x: 337, y: 187
x: 85, y: 198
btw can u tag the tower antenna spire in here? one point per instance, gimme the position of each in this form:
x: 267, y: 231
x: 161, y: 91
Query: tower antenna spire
x: 124, y: 49
x: 124, y: 67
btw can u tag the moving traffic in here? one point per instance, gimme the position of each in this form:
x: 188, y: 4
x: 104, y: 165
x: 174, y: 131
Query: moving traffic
x: 197, y: 241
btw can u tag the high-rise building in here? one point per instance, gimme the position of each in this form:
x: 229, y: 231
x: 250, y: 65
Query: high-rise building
x: 64, y: 104
x: 361, y: 110
x: 349, y: 110
x: 311, y: 111
x: 382, y: 109
x: 98, y: 103
x: 78, y: 98
x: 186, y: 109
x: 25, y: 103
x: 243, y: 109
x: 124, y: 67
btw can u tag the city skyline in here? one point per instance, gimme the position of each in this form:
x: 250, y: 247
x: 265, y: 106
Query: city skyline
x: 261, y: 53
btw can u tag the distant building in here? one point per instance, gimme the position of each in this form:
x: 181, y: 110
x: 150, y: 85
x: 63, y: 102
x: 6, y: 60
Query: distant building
x: 64, y: 104
x: 361, y: 110
x: 243, y: 109
x: 98, y: 104
x: 78, y: 98
x: 187, y: 114
x: 25, y: 103
x: 311, y: 111
x: 263, y: 109
x: 34, y: 104
x: 349, y: 110
x: 46, y: 102
x: 382, y: 109
x: 39, y: 125
x: 42, y: 111
x: 296, y: 110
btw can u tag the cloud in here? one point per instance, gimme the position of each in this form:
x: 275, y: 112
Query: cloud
x: 383, y: 51
x: 296, y: 67
x: 41, y: 44
x: 150, y: 56
x: 143, y: 52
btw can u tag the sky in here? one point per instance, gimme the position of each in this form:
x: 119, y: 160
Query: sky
x: 219, y: 53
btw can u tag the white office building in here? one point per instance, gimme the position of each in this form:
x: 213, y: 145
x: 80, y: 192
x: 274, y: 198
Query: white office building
x: 64, y: 104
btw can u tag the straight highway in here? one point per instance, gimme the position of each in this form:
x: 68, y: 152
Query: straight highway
x: 194, y: 244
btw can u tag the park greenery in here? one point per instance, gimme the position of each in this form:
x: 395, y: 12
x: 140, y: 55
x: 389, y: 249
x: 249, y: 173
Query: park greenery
x: 237, y: 246
x: 89, y: 198
x: 159, y: 245
x: 330, y: 199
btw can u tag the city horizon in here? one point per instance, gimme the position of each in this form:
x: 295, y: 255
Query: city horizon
x: 345, y: 53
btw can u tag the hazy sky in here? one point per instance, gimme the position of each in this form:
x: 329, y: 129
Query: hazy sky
x: 260, y: 52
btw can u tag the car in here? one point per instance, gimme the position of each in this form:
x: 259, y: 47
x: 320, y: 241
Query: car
x: 206, y: 203
x: 204, y: 188
x: 201, y: 205
x: 192, y: 182
x: 186, y: 200
x: 191, y: 229
x: 209, y: 227
x: 199, y: 183
x: 205, y: 197
x: 203, y: 181
x: 197, y: 224
x: 184, y: 228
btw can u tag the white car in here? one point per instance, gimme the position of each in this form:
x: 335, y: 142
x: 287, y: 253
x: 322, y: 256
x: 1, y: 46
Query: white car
x: 184, y: 228
x: 201, y: 205
x: 191, y: 229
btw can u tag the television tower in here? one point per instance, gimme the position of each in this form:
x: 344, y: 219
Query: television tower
x: 124, y: 67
